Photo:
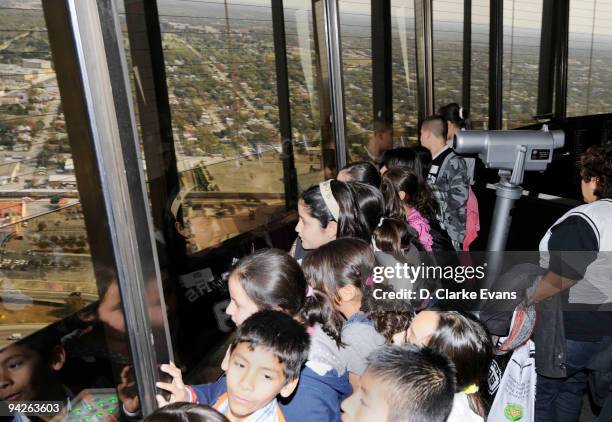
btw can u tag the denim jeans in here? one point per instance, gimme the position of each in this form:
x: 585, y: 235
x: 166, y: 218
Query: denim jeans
x: 560, y: 399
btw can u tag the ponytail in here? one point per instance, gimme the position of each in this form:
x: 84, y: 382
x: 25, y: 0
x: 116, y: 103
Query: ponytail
x: 418, y: 193
x: 456, y: 114
x: 390, y: 316
x: 393, y: 204
x: 395, y: 237
x: 339, y: 263
x: 319, y: 309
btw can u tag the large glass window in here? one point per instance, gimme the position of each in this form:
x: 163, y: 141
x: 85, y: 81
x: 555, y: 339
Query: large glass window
x: 405, y: 115
x: 589, y: 89
x: 479, y: 95
x: 522, y: 27
x: 62, y: 329
x: 303, y: 92
x: 356, y: 38
x: 448, y: 51
x: 43, y: 242
x: 221, y: 76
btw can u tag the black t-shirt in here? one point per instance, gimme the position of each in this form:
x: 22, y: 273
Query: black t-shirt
x: 573, y: 246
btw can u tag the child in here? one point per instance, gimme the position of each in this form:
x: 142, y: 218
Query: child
x: 403, y: 384
x: 266, y: 356
x: 456, y: 118
x: 466, y: 342
x: 327, y: 211
x: 29, y: 371
x: 449, y: 174
x: 339, y: 269
x: 271, y: 279
x: 416, y: 202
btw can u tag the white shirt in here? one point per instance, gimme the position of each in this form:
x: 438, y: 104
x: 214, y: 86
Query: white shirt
x: 461, y: 411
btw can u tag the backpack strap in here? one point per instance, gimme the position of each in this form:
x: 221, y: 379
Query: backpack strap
x: 448, y: 157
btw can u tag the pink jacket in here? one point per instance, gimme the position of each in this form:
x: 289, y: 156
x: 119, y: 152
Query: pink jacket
x: 421, y: 225
x: 472, y: 225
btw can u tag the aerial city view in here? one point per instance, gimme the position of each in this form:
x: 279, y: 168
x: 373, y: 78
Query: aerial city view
x: 220, y: 69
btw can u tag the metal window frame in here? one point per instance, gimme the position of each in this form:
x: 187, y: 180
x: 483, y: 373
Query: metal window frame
x: 496, y: 56
x: 467, y: 54
x: 336, y: 78
x: 87, y: 50
x: 547, y: 60
x: 382, y: 77
x: 284, y: 105
x: 561, y: 16
x: 326, y: 21
x: 423, y: 15
x: 554, y: 45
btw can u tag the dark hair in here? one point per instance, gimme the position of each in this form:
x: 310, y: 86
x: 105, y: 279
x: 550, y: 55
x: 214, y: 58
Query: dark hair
x: 418, y: 193
x: 437, y: 125
x: 423, y: 156
x: 456, y: 114
x: 350, y: 221
x: 597, y: 162
x: 273, y: 280
x: 394, y: 207
x: 44, y: 342
x: 389, y: 316
x: 466, y: 342
x: 420, y: 383
x: 280, y: 333
x: 341, y: 262
x: 364, y: 172
x: 395, y: 237
x: 186, y: 412
x: 399, y: 157
x: 371, y: 206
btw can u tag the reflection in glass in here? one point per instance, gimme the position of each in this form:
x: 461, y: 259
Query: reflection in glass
x: 356, y: 39
x: 590, y: 58
x: 303, y: 93
x: 45, y: 264
x: 46, y: 271
x: 220, y: 70
x: 62, y: 330
x: 405, y: 115
x: 522, y: 27
x: 219, y: 204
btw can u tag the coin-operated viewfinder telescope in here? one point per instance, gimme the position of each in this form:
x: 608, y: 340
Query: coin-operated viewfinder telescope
x: 512, y: 152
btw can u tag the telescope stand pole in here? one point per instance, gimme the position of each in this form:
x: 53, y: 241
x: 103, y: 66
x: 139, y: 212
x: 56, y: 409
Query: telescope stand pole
x: 507, y: 193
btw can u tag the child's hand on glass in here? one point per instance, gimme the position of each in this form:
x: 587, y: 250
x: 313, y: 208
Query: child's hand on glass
x: 177, y: 389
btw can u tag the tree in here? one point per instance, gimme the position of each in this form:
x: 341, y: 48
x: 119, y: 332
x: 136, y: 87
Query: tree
x: 55, y: 199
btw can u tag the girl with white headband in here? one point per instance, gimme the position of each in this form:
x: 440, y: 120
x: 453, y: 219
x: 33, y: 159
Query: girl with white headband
x: 328, y: 211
